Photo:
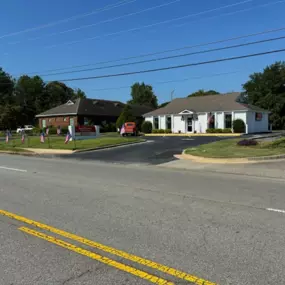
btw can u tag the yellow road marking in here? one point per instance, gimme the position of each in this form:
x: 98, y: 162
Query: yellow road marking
x: 165, y: 269
x: 105, y: 260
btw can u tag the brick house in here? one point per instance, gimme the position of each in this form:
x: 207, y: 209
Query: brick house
x: 84, y: 111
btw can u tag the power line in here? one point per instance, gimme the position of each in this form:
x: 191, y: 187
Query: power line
x: 172, y: 67
x: 101, y: 22
x: 152, y: 25
x: 166, y: 51
x: 235, y: 12
x: 167, y: 57
x: 76, y: 17
x: 170, y: 81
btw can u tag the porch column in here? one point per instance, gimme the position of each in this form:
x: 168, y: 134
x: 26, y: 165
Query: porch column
x: 216, y: 121
x: 172, y: 123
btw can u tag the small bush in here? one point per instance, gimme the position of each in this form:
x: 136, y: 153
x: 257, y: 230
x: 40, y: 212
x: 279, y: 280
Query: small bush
x: 247, y: 143
x: 168, y: 131
x: 214, y: 131
x: 227, y: 131
x: 238, y: 126
x: 146, y: 127
x: 280, y: 143
x: 161, y: 131
x: 155, y: 131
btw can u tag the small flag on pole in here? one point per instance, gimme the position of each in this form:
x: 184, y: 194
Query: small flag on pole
x: 58, y: 131
x: 67, y: 138
x: 47, y: 131
x: 23, y: 138
x: 42, y: 137
x: 8, y: 135
x: 122, y: 129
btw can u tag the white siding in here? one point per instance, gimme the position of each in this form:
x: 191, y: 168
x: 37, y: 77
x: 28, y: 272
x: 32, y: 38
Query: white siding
x: 257, y: 126
x: 178, y: 124
x: 201, y: 123
x: 149, y: 119
x: 219, y: 120
x: 161, y: 120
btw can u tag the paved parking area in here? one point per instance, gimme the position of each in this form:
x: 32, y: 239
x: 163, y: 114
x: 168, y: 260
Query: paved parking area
x: 156, y: 150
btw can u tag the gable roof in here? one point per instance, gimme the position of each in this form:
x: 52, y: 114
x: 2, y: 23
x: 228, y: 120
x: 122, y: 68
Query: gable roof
x: 94, y: 107
x: 64, y: 109
x: 209, y: 103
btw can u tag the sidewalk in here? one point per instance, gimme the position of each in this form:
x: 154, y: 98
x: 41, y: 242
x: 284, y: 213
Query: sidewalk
x: 268, y: 169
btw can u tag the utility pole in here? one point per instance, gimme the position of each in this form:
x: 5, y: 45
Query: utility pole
x: 171, y: 95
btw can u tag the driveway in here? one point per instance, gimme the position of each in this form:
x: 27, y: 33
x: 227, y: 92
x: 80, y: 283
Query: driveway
x: 156, y: 150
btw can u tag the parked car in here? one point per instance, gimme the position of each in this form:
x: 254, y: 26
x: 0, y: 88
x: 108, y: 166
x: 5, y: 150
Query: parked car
x: 25, y: 128
x: 129, y: 128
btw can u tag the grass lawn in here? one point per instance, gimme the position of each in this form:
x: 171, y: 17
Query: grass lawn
x: 230, y: 149
x: 55, y: 142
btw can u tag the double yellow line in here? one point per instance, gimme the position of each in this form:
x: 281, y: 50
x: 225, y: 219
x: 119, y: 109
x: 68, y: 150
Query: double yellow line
x: 136, y: 272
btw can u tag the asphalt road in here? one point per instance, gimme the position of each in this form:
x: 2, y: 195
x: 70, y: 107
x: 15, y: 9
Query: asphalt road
x: 216, y: 227
x: 156, y: 150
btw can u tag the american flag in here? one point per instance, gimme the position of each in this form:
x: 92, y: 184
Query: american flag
x: 58, y: 131
x: 122, y: 129
x: 42, y: 137
x: 23, y: 138
x: 67, y: 138
x: 7, y: 138
x: 47, y: 131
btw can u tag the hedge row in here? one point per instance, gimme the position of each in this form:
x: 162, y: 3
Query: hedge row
x: 160, y: 131
x: 219, y: 131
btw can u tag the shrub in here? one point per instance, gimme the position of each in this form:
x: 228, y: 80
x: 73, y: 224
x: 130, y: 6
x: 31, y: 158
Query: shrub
x: 227, y: 131
x: 146, y: 127
x: 161, y: 131
x: 280, y: 143
x: 168, y: 131
x: 246, y: 142
x: 214, y: 131
x: 238, y: 126
x: 155, y: 131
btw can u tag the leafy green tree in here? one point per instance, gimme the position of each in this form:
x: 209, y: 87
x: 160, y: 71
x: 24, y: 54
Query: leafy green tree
x: 202, y: 92
x: 143, y: 94
x: 8, y: 110
x: 29, y: 95
x: 163, y: 104
x: 125, y: 116
x: 78, y: 93
x: 267, y: 90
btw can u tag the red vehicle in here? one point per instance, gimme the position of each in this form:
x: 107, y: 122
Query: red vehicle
x: 129, y: 128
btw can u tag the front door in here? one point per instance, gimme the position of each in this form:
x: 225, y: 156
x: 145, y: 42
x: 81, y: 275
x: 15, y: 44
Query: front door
x: 189, y: 125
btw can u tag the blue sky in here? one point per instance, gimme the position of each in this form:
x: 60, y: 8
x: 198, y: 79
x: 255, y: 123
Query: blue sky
x: 21, y: 53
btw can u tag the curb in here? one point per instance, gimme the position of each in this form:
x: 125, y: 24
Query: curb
x: 18, y: 153
x: 194, y: 135
x: 108, y: 146
x: 228, y: 160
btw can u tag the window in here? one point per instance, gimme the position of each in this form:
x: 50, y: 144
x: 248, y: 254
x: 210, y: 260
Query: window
x: 228, y: 121
x: 168, y: 123
x: 155, y: 120
x: 258, y: 116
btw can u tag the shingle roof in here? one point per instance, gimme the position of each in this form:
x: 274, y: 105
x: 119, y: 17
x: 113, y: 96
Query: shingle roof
x: 94, y: 107
x: 65, y: 109
x: 210, y: 103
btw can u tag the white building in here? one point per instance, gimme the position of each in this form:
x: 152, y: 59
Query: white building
x: 197, y: 114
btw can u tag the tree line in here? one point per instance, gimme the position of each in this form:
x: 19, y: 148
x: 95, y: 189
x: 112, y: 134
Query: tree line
x: 23, y: 98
